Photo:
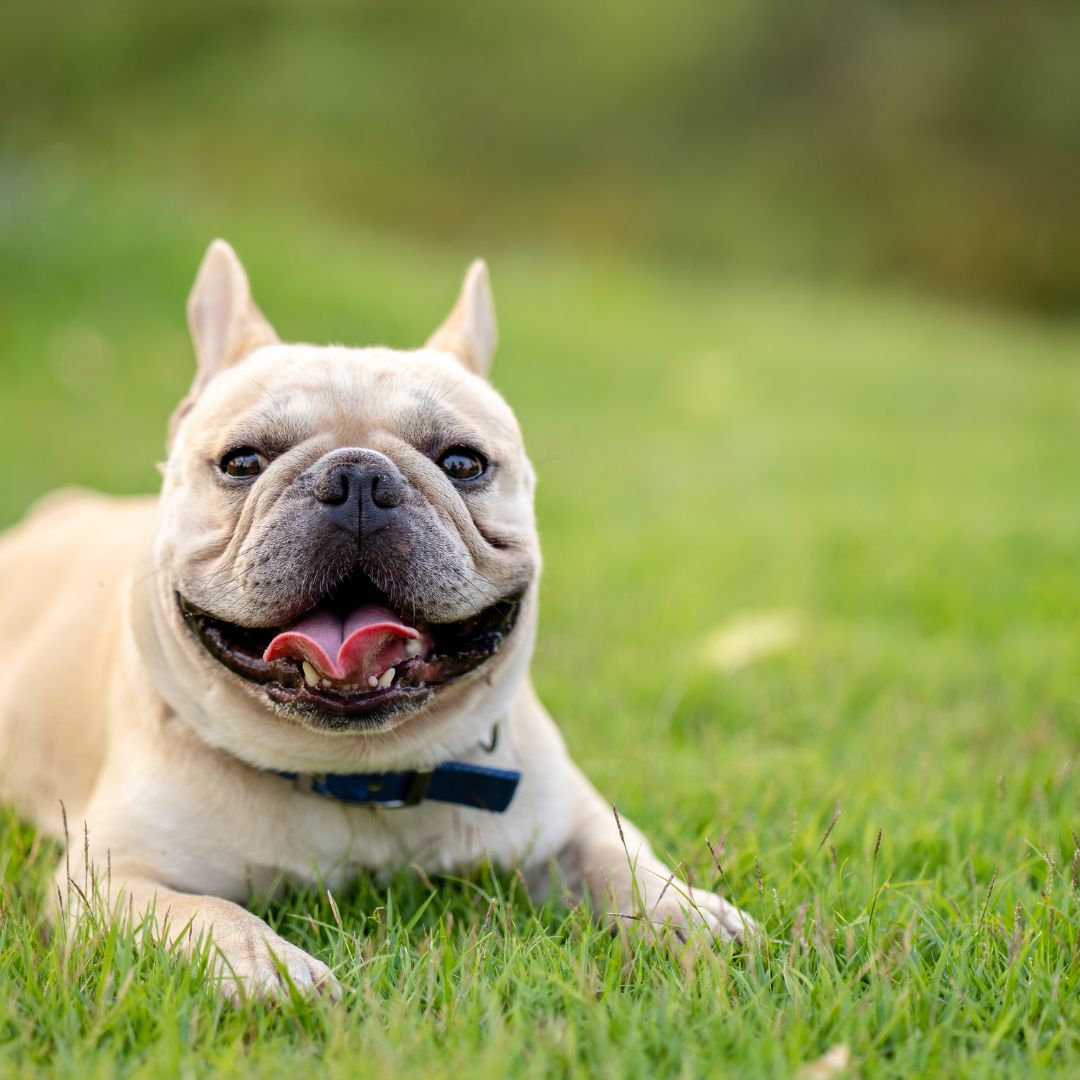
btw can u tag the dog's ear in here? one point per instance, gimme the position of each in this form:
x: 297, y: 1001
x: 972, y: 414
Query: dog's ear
x: 225, y: 323
x: 469, y: 331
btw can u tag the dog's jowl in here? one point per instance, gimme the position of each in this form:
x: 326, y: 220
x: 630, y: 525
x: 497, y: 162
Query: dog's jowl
x: 310, y: 654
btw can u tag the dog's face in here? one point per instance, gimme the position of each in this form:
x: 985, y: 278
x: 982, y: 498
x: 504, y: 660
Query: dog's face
x: 347, y: 537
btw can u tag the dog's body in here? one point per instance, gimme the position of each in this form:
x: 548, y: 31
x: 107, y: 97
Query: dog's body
x: 165, y: 658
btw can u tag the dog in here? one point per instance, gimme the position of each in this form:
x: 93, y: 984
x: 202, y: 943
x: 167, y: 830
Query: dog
x: 309, y: 656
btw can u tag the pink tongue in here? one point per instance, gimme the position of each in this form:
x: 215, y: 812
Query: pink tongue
x: 348, y: 648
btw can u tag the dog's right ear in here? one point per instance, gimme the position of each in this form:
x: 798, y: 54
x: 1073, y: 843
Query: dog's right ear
x: 225, y: 323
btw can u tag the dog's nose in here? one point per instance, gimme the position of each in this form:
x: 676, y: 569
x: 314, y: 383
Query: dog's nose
x: 360, y: 496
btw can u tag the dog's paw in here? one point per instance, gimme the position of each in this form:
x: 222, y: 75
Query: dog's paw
x: 262, y: 966
x: 680, y: 909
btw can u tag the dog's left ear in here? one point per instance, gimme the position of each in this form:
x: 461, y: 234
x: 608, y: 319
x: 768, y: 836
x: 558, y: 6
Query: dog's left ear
x: 469, y: 331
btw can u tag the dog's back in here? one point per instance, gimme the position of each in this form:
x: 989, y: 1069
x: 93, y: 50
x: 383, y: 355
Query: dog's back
x: 64, y: 572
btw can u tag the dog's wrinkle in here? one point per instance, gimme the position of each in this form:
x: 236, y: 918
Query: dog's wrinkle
x: 428, y: 417
x: 498, y: 541
x: 274, y: 429
x: 291, y: 580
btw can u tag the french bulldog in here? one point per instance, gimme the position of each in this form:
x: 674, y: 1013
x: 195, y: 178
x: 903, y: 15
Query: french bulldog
x: 308, y: 656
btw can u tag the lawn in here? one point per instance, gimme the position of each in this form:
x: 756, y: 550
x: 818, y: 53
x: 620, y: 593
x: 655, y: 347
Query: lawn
x: 811, y: 594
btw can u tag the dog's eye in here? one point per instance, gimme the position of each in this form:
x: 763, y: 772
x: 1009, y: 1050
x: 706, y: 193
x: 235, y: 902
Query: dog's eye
x: 461, y: 463
x: 243, y: 463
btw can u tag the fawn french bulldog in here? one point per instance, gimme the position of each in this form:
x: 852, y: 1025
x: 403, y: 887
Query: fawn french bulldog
x: 310, y: 654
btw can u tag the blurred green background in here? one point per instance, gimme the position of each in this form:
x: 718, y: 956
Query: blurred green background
x: 936, y: 143
x: 789, y: 302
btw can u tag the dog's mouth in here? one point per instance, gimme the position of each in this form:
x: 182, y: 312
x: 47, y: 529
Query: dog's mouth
x: 353, y: 654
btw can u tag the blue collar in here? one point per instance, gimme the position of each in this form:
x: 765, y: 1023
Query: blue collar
x: 478, y: 786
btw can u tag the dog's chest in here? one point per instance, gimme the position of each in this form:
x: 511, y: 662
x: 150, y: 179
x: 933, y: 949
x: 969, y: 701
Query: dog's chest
x: 315, y: 838
x: 332, y: 842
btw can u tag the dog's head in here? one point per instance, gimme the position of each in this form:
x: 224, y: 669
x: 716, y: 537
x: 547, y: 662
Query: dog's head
x: 347, y: 541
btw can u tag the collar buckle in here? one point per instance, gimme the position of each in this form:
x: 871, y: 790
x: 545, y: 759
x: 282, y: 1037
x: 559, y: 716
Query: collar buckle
x: 310, y: 783
x: 418, y: 787
x: 415, y: 793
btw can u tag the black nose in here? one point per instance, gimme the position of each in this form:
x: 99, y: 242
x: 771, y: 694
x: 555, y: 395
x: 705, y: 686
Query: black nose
x: 360, y: 496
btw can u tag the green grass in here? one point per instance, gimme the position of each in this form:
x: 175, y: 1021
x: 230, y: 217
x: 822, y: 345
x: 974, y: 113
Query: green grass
x: 898, y: 473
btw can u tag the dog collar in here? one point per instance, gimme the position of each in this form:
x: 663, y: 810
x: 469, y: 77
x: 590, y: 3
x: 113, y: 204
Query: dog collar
x: 458, y: 782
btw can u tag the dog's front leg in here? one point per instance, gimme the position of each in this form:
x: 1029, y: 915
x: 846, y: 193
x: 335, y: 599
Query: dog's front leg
x: 248, y: 958
x: 609, y: 860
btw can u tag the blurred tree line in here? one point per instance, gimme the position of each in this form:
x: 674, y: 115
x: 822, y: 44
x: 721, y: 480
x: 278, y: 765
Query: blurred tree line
x: 934, y: 142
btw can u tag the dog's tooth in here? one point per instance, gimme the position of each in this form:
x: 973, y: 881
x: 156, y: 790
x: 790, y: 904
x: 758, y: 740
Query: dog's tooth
x: 387, y: 677
x: 413, y: 647
x: 326, y: 684
x: 372, y: 681
x: 311, y: 676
